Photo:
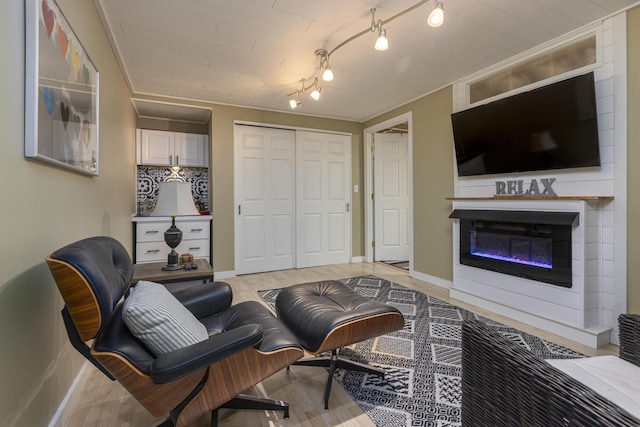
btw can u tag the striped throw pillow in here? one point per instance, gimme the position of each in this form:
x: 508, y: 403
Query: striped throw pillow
x: 159, y: 320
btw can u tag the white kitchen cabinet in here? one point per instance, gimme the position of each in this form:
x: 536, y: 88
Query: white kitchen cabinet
x: 149, y: 237
x: 163, y: 148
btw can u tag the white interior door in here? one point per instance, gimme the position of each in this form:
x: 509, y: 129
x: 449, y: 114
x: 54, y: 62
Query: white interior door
x: 391, y: 204
x: 265, y: 199
x: 323, y: 197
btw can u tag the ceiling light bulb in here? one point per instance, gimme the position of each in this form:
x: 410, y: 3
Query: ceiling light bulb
x: 316, y: 93
x: 293, y: 103
x: 382, y: 43
x: 436, y: 17
x: 327, y: 75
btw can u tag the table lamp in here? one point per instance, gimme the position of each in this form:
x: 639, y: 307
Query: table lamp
x: 174, y: 199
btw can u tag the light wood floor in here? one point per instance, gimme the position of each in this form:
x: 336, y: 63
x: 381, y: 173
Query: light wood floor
x: 96, y: 401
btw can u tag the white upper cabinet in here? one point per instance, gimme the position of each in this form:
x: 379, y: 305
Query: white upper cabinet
x: 162, y: 148
x: 191, y: 149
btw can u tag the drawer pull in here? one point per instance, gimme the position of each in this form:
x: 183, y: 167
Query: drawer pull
x: 196, y: 230
x: 153, y: 251
x: 151, y: 232
x: 197, y: 248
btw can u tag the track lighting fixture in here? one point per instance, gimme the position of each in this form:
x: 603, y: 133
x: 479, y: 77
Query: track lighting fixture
x: 315, y: 94
x: 381, y: 43
x: 294, y: 97
x: 327, y: 74
x: 435, y: 19
x: 294, y: 102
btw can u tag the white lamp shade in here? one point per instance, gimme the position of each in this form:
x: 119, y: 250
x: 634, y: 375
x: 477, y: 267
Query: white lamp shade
x: 382, y: 43
x: 175, y: 199
x: 327, y: 75
x: 436, y: 17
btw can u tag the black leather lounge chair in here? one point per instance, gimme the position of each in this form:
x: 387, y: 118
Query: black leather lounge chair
x: 245, y: 343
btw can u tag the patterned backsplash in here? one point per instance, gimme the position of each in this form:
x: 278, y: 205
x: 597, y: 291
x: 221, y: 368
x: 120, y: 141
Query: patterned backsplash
x: 149, y: 178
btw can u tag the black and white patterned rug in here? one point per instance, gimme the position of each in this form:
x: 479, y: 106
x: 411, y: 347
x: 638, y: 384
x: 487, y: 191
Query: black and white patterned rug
x: 422, y: 362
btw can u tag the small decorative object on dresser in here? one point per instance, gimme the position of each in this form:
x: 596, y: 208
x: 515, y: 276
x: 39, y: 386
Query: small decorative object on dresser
x: 186, y: 259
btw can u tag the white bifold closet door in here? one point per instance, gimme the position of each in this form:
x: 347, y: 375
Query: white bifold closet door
x: 292, y: 199
x: 323, y: 199
x: 265, y: 199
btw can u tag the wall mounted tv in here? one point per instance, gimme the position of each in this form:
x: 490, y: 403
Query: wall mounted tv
x: 552, y: 127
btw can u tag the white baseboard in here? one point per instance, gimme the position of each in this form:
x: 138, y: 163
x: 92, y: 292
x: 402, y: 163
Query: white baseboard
x: 357, y: 259
x: 221, y: 275
x: 60, y: 417
x: 447, y: 284
x: 594, y: 337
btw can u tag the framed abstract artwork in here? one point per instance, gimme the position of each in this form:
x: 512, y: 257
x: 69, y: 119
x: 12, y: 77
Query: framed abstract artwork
x: 61, y: 92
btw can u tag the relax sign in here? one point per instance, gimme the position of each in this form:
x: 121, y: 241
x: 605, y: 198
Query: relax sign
x: 517, y: 188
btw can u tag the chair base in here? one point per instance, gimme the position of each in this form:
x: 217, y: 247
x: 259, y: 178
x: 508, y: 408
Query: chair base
x: 243, y: 401
x: 334, y: 362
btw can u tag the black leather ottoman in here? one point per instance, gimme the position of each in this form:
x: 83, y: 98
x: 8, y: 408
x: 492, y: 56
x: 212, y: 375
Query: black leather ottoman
x: 328, y: 315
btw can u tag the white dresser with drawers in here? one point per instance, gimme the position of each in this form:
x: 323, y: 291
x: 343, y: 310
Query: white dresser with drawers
x: 149, y: 237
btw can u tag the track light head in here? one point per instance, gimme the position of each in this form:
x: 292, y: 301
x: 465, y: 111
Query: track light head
x: 315, y: 94
x: 327, y: 74
x: 381, y: 43
x: 295, y: 102
x: 436, y: 17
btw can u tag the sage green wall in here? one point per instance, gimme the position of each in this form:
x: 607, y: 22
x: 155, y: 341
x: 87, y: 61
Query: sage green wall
x: 43, y: 208
x: 432, y: 181
x: 222, y: 172
x: 633, y: 160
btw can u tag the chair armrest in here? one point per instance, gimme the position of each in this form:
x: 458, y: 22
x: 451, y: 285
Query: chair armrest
x: 629, y: 325
x: 205, y: 299
x: 504, y: 384
x: 179, y: 363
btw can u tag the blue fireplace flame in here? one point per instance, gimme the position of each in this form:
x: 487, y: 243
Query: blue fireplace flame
x: 511, y: 259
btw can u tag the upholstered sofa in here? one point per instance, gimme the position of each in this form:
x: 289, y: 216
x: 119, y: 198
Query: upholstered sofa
x: 503, y: 384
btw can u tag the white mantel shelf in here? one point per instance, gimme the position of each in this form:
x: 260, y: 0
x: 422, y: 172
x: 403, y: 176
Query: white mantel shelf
x: 507, y: 197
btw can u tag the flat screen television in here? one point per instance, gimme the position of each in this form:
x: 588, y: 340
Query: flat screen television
x: 552, y: 127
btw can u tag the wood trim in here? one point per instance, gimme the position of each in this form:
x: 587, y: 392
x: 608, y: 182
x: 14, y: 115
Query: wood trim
x: 510, y: 197
x: 360, y: 330
x: 153, y: 272
x: 227, y: 379
x: 158, y: 399
x: 78, y: 296
x: 232, y: 376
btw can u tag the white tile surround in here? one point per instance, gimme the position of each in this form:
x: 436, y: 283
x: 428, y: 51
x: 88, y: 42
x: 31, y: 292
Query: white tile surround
x: 587, y: 312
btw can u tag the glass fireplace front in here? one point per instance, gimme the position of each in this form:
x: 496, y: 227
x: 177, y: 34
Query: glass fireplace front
x: 520, y: 245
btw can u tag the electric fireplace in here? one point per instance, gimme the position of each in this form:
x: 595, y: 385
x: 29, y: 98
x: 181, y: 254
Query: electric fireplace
x: 528, y: 244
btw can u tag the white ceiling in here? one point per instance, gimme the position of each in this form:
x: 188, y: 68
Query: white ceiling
x: 254, y: 52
